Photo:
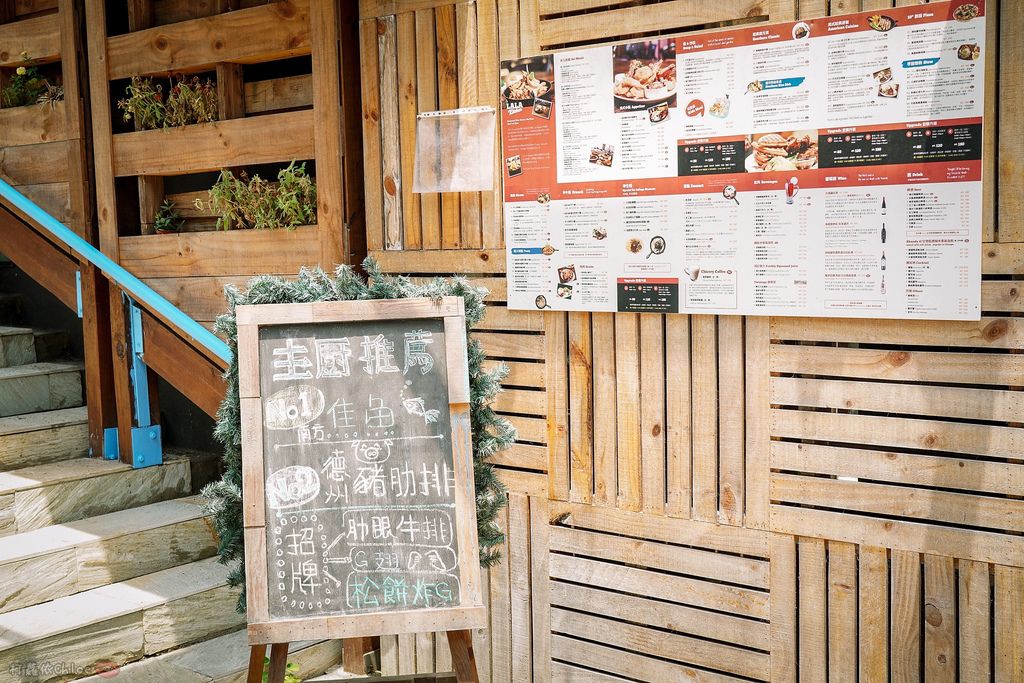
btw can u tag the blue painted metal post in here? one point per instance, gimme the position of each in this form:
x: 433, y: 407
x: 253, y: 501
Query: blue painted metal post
x: 147, y: 449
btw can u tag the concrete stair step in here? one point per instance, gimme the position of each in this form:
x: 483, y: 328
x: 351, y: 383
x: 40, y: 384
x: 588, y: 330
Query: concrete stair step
x: 51, y: 344
x: 118, y: 623
x: 17, y: 346
x: 10, y: 309
x: 223, y: 660
x: 37, y: 387
x: 57, y: 493
x: 64, y: 559
x: 41, y: 438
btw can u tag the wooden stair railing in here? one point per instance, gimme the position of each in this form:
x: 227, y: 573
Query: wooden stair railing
x: 171, y: 345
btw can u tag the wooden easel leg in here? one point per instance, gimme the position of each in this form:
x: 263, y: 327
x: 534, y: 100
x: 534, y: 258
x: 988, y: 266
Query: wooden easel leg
x: 463, y: 659
x: 256, y: 656
x: 278, y: 662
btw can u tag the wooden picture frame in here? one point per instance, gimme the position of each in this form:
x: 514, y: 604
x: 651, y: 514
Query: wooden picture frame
x: 470, y: 612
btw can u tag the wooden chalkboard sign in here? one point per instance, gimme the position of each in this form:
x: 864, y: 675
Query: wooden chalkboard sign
x: 357, y: 475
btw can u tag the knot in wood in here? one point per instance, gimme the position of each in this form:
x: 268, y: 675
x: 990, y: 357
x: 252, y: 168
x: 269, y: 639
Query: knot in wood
x: 898, y: 358
x: 995, y: 329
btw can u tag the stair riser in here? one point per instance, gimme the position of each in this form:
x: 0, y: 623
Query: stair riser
x: 76, y: 569
x: 43, y: 446
x: 10, y: 310
x: 51, y: 345
x: 127, y: 638
x: 17, y: 349
x: 69, y: 501
x: 36, y: 393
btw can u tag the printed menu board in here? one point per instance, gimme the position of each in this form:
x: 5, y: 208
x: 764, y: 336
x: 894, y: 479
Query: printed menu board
x: 828, y: 167
x: 359, y: 481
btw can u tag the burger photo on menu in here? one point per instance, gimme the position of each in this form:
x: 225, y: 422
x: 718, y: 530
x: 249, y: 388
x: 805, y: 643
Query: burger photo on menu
x: 791, y: 150
x: 644, y: 75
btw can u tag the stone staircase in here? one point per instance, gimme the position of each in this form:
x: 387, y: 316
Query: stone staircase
x: 100, y: 564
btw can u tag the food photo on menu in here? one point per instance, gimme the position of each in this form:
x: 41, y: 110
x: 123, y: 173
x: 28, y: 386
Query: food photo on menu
x: 644, y: 76
x: 525, y: 81
x: 794, y: 150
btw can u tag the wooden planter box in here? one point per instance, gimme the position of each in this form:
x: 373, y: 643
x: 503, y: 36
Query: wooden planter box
x: 265, y: 120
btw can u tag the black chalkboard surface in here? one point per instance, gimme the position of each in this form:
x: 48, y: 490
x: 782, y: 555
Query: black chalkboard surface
x: 357, y: 469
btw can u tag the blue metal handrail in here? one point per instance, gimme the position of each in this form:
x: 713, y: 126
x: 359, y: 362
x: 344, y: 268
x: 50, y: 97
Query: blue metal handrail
x: 136, y: 288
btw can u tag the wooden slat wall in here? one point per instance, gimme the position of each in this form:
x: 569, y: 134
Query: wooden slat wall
x: 720, y: 497
x: 43, y: 147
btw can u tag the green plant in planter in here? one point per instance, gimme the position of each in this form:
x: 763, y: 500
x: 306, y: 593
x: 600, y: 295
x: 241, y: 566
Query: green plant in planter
x: 167, y: 218
x: 290, y: 669
x: 144, y: 103
x: 188, y: 101
x: 26, y: 86
x: 252, y: 203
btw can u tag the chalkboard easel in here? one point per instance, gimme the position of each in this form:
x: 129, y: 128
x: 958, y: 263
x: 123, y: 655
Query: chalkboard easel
x: 357, y: 475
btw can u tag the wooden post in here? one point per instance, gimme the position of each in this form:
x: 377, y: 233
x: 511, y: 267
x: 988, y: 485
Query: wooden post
x: 278, y: 663
x: 353, y: 652
x: 122, y: 380
x: 99, y: 367
x: 463, y: 659
x: 256, y: 656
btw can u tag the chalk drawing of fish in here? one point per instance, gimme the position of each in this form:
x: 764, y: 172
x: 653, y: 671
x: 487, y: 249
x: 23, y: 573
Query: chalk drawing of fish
x: 415, y: 406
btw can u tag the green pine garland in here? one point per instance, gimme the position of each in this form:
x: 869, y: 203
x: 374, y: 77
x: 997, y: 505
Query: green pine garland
x: 491, y: 433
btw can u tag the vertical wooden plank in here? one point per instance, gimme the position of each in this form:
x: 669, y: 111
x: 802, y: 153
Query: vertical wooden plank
x: 731, y: 417
x: 389, y: 655
x: 539, y: 587
x: 1009, y: 623
x: 391, y: 154
x: 783, y: 596
x: 704, y: 394
x: 327, y: 130
x: 529, y: 19
x: 1011, y: 142
x: 75, y: 102
x: 407, y: 653
x: 448, y: 98
x: 442, y: 651
x: 758, y: 411
x: 466, y: 32
x: 975, y: 614
x: 151, y: 195
x: 652, y: 411
x: 372, y: 173
x: 939, y: 619
x: 231, y: 93
x: 487, y: 65
x: 677, y: 414
x: 605, y: 442
x: 556, y: 344
x: 990, y: 143
x: 122, y: 380
x: 842, y: 612
x: 426, y: 93
x: 141, y: 14
x: 99, y: 87
x: 501, y: 616
x: 905, y: 617
x: 627, y: 391
x: 581, y: 417
x: 873, y: 606
x: 424, y: 646
x: 812, y: 605
x: 519, y: 597
x: 352, y: 136
x: 482, y: 636
x: 508, y: 31
x: 812, y: 9
x: 407, y: 110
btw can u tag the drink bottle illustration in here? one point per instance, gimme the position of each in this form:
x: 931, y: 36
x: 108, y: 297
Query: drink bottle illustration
x: 883, y: 233
x: 883, y: 260
x: 883, y: 206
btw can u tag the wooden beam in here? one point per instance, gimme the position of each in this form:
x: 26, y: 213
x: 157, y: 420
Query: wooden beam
x: 39, y: 37
x: 258, y: 34
x: 166, y: 353
x: 39, y: 258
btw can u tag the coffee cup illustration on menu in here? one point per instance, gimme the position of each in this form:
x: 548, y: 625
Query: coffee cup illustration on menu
x: 792, y: 187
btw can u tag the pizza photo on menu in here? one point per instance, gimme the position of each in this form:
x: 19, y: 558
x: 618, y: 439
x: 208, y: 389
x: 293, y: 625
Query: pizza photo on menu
x: 791, y: 150
x: 644, y: 75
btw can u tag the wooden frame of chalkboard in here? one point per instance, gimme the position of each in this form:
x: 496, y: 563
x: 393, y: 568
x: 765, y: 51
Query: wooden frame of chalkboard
x: 320, y: 329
